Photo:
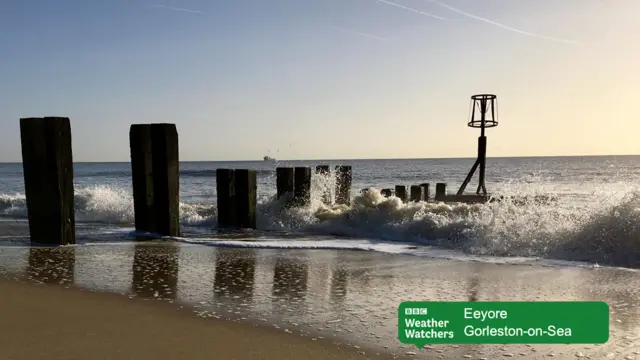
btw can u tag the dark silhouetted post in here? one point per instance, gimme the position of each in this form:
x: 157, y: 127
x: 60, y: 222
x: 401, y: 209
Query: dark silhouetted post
x: 302, y: 186
x: 425, y: 191
x: 401, y: 192
x: 47, y: 162
x: 386, y: 192
x: 284, y: 181
x: 324, y: 170
x: 226, y: 196
x: 156, y: 178
x: 484, y: 106
x: 441, y: 191
x: 343, y: 184
x: 416, y: 193
x: 246, y: 198
x: 142, y: 176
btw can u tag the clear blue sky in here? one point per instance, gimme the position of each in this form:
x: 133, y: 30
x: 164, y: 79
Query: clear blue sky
x: 324, y: 78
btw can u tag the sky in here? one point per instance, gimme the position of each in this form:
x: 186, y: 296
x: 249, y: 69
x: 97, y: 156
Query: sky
x: 325, y: 79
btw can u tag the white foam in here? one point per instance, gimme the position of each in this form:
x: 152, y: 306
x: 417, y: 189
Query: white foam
x: 606, y: 231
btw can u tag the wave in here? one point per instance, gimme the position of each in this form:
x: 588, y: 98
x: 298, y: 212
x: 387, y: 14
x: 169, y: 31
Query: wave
x: 109, y: 205
x: 606, y: 232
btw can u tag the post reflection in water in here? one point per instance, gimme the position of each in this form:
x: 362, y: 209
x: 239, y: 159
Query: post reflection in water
x: 339, y: 285
x: 473, y: 289
x: 155, y: 271
x: 234, y: 273
x: 290, y: 281
x: 54, y: 265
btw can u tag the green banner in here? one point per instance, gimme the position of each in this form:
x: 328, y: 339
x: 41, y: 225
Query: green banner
x: 512, y: 322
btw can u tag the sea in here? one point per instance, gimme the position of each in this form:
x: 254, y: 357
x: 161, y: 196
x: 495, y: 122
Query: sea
x: 594, y: 219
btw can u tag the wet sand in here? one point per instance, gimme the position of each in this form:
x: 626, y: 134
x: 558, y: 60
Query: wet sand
x: 56, y: 323
x: 344, y: 297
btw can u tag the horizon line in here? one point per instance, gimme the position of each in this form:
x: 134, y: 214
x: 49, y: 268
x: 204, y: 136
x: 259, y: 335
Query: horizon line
x: 355, y: 159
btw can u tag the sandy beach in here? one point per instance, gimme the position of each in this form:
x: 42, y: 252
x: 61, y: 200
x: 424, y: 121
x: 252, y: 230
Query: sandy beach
x: 301, y: 300
x: 44, y: 321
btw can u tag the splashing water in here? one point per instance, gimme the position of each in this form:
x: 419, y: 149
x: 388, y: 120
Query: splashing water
x: 606, y: 232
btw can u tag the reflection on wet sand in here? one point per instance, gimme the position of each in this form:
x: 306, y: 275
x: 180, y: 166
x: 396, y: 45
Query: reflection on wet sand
x: 234, y: 274
x: 474, y: 284
x: 155, y: 271
x: 52, y: 265
x: 339, y: 282
x: 356, y: 303
x: 290, y: 281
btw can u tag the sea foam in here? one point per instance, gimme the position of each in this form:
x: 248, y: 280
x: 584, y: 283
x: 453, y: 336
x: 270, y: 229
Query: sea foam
x: 605, y: 232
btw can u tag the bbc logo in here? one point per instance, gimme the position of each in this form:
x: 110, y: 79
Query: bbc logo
x: 415, y: 311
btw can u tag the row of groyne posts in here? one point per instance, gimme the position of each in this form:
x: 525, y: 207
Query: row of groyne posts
x: 47, y: 162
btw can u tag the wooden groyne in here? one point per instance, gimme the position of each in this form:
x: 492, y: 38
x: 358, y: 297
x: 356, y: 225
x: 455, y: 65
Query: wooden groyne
x: 156, y: 178
x: 48, y: 176
x: 47, y: 164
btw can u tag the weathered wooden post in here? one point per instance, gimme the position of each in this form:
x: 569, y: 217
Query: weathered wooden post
x: 416, y: 193
x: 401, y: 193
x: 344, y: 176
x: 302, y: 186
x: 47, y: 163
x: 324, y: 170
x: 441, y: 191
x: 226, y: 198
x: 246, y: 198
x: 284, y: 181
x: 155, y: 173
x: 425, y: 191
x: 386, y: 192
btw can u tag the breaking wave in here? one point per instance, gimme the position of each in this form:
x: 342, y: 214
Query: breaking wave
x: 606, y: 232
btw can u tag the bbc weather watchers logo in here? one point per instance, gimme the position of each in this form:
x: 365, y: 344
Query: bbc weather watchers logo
x: 415, y: 311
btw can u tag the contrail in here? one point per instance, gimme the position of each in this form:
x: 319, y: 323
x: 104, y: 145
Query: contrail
x: 179, y: 9
x: 411, y: 9
x: 359, y: 33
x: 501, y: 25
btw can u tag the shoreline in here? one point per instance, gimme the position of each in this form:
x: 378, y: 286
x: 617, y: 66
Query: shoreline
x: 75, y: 324
x: 343, y: 297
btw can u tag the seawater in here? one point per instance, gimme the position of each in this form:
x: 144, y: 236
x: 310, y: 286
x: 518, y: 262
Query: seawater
x: 595, y: 219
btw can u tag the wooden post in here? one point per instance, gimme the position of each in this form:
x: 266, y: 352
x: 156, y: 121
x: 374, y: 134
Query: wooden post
x: 441, y: 191
x: 302, y: 186
x: 246, y: 198
x: 386, y: 192
x: 47, y: 163
x: 324, y: 170
x: 166, y: 177
x: 425, y: 191
x: 416, y: 193
x: 284, y: 181
x: 401, y: 192
x: 142, y: 177
x: 226, y: 198
x: 155, y: 172
x: 343, y: 184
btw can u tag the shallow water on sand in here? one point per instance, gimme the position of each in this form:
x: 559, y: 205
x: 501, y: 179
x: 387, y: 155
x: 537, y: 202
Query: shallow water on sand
x: 348, y: 296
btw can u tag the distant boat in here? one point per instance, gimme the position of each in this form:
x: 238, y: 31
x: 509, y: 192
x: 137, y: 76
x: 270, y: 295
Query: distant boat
x: 268, y: 158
